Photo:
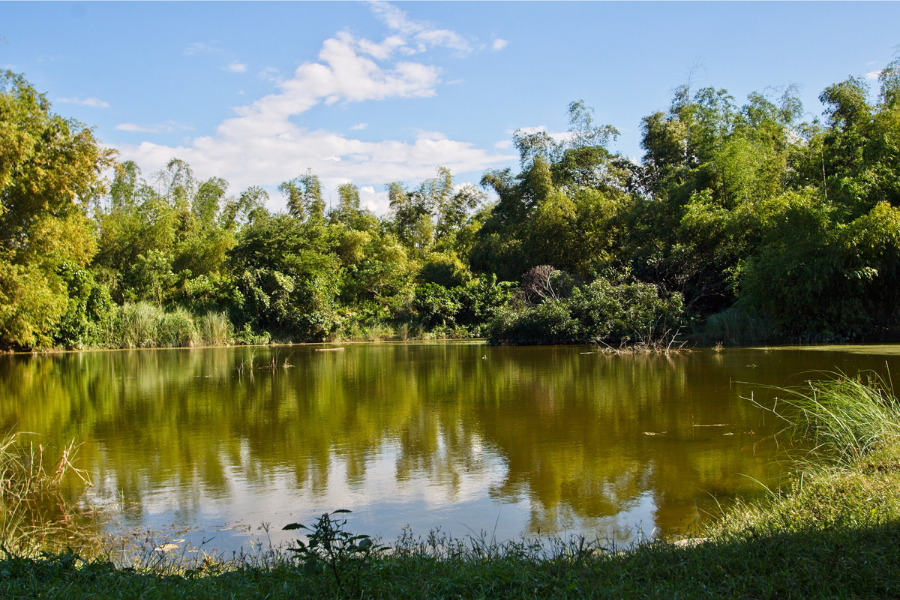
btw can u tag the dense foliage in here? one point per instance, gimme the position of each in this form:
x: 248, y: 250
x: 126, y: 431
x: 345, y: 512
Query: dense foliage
x: 740, y: 222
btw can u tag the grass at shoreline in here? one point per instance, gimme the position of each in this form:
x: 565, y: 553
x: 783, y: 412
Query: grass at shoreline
x: 833, y: 533
x: 856, y: 554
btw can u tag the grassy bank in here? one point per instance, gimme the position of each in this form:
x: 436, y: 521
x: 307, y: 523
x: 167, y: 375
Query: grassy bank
x: 833, y: 533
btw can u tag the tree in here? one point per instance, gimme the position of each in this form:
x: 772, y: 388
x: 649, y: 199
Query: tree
x: 304, y: 197
x: 411, y: 217
x: 50, y: 170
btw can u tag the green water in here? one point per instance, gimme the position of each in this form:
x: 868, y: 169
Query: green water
x: 461, y: 436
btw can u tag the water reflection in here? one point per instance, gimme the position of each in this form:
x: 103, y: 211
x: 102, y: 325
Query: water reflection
x: 469, y: 437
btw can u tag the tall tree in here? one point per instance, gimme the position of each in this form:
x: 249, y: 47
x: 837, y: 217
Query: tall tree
x: 50, y: 169
x: 304, y: 197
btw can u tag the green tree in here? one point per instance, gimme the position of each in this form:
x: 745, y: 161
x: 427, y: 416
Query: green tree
x: 285, y: 278
x: 50, y: 170
x: 411, y: 217
x: 304, y: 197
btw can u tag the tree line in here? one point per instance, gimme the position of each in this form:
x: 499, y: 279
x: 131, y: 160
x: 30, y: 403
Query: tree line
x: 741, y: 222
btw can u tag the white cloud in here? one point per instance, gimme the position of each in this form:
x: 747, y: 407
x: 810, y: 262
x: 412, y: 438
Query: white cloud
x: 202, y: 48
x: 92, y: 102
x: 557, y: 136
x: 383, y: 50
x: 168, y: 127
x: 873, y: 74
x: 359, y: 127
x: 236, y: 67
x: 499, y: 44
x: 266, y: 142
x: 271, y: 74
x: 421, y: 34
x: 132, y: 127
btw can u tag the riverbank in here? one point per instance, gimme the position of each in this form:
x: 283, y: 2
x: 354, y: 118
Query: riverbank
x: 834, y: 532
x: 833, y: 535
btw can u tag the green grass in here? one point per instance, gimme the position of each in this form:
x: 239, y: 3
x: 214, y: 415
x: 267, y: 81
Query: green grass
x: 843, y: 418
x: 834, y: 532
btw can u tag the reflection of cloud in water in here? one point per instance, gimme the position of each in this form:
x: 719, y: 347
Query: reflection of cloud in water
x: 382, y: 503
x: 531, y: 439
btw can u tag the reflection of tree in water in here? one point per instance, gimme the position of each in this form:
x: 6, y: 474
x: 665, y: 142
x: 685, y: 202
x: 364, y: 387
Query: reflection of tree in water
x: 592, y: 434
x: 572, y: 429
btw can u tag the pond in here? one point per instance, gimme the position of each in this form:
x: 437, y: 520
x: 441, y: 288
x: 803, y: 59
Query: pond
x: 505, y: 442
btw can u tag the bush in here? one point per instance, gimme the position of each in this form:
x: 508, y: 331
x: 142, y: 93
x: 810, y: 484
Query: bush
x: 88, y: 305
x: 145, y: 325
x: 736, y: 326
x: 176, y: 329
x: 601, y: 312
x: 547, y: 323
x: 626, y: 312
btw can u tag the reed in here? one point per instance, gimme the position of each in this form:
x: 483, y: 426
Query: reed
x: 843, y: 417
x: 136, y: 325
x: 26, y: 482
x: 214, y: 329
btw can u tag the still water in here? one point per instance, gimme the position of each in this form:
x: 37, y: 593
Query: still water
x: 469, y: 438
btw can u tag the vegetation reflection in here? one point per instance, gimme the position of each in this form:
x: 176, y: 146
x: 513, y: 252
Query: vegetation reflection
x: 578, y: 434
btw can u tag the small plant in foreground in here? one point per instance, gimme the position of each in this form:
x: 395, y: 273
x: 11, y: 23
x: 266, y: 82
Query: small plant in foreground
x: 329, y: 546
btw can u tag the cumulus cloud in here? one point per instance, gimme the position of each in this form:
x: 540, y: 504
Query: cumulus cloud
x: 499, y: 44
x: 873, y: 74
x: 266, y: 142
x: 91, y: 102
x: 236, y: 67
x: 359, y: 127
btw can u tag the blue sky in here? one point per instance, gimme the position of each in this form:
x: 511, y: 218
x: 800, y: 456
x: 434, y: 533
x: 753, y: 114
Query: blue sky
x: 259, y: 92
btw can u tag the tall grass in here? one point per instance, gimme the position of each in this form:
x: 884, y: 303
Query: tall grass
x: 136, y: 325
x: 26, y: 483
x: 145, y: 325
x: 214, y: 329
x: 843, y: 417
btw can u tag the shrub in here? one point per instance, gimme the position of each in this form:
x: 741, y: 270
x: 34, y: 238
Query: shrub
x: 547, y: 323
x: 176, y: 329
x: 601, y: 312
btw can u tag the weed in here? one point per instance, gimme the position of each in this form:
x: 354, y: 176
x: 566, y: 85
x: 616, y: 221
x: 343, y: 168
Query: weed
x: 25, y: 484
x: 329, y: 546
x: 843, y: 417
